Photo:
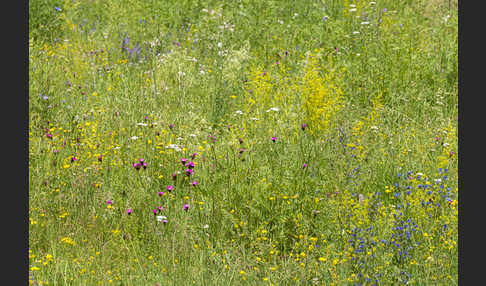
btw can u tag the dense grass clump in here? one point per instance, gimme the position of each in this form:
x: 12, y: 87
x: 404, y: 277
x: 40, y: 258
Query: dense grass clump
x: 243, y: 142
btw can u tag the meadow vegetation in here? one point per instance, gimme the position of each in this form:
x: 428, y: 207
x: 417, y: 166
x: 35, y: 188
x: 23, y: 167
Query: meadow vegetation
x: 243, y: 142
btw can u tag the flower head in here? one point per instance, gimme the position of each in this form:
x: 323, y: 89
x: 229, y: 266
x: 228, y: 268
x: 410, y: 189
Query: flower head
x: 160, y: 194
x: 129, y: 211
x: 186, y: 207
x: 194, y: 183
x: 189, y: 165
x: 189, y: 172
x: 274, y: 139
x: 170, y: 188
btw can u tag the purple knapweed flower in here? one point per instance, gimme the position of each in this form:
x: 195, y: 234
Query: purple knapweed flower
x: 186, y: 207
x: 170, y: 188
x: 305, y: 166
x: 109, y: 202
x: 189, y: 172
x: 73, y: 159
x: 193, y: 156
x: 129, y: 211
x: 194, y: 183
x: 303, y: 126
x: 274, y: 139
x: 183, y: 161
x: 49, y: 135
x: 160, y: 194
x: 171, y: 126
x: 174, y: 176
x: 240, y: 140
x: 137, y: 166
x: 154, y: 212
x: 160, y: 208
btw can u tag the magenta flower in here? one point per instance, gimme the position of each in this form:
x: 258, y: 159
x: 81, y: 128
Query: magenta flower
x: 170, y: 188
x: 171, y: 126
x: 183, y: 161
x: 190, y: 165
x: 186, y: 207
x: 137, y: 166
x: 73, y: 159
x: 303, y: 126
x: 194, y: 183
x: 241, y: 150
x: 193, y: 156
x: 305, y: 165
x: 100, y: 158
x: 274, y: 139
x: 129, y: 211
x: 48, y: 135
x: 109, y: 202
x: 160, y: 208
x: 240, y: 140
x: 160, y: 194
x: 189, y: 172
x: 154, y: 211
x: 174, y: 176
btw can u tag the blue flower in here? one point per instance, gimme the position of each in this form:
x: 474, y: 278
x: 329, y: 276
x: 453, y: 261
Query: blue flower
x: 58, y: 9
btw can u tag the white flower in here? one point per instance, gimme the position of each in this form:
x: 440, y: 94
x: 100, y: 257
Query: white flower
x: 358, y: 54
x: 206, y: 226
x: 365, y: 23
x: 192, y: 135
x: 173, y: 146
x: 220, y: 45
x: 254, y: 118
x: 238, y: 112
x: 352, y: 10
x: 437, y: 181
x: 356, y: 32
x: 181, y: 73
x: 372, y: 3
x: 142, y: 124
x: 419, y: 174
x: 180, y: 138
x: 352, y: 5
x: 133, y: 138
x: 161, y: 217
x: 273, y: 109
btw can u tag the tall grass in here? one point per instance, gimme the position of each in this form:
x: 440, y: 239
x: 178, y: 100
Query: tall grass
x: 323, y: 137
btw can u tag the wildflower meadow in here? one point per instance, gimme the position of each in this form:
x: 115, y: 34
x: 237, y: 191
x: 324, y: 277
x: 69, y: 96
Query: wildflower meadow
x: 243, y: 142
